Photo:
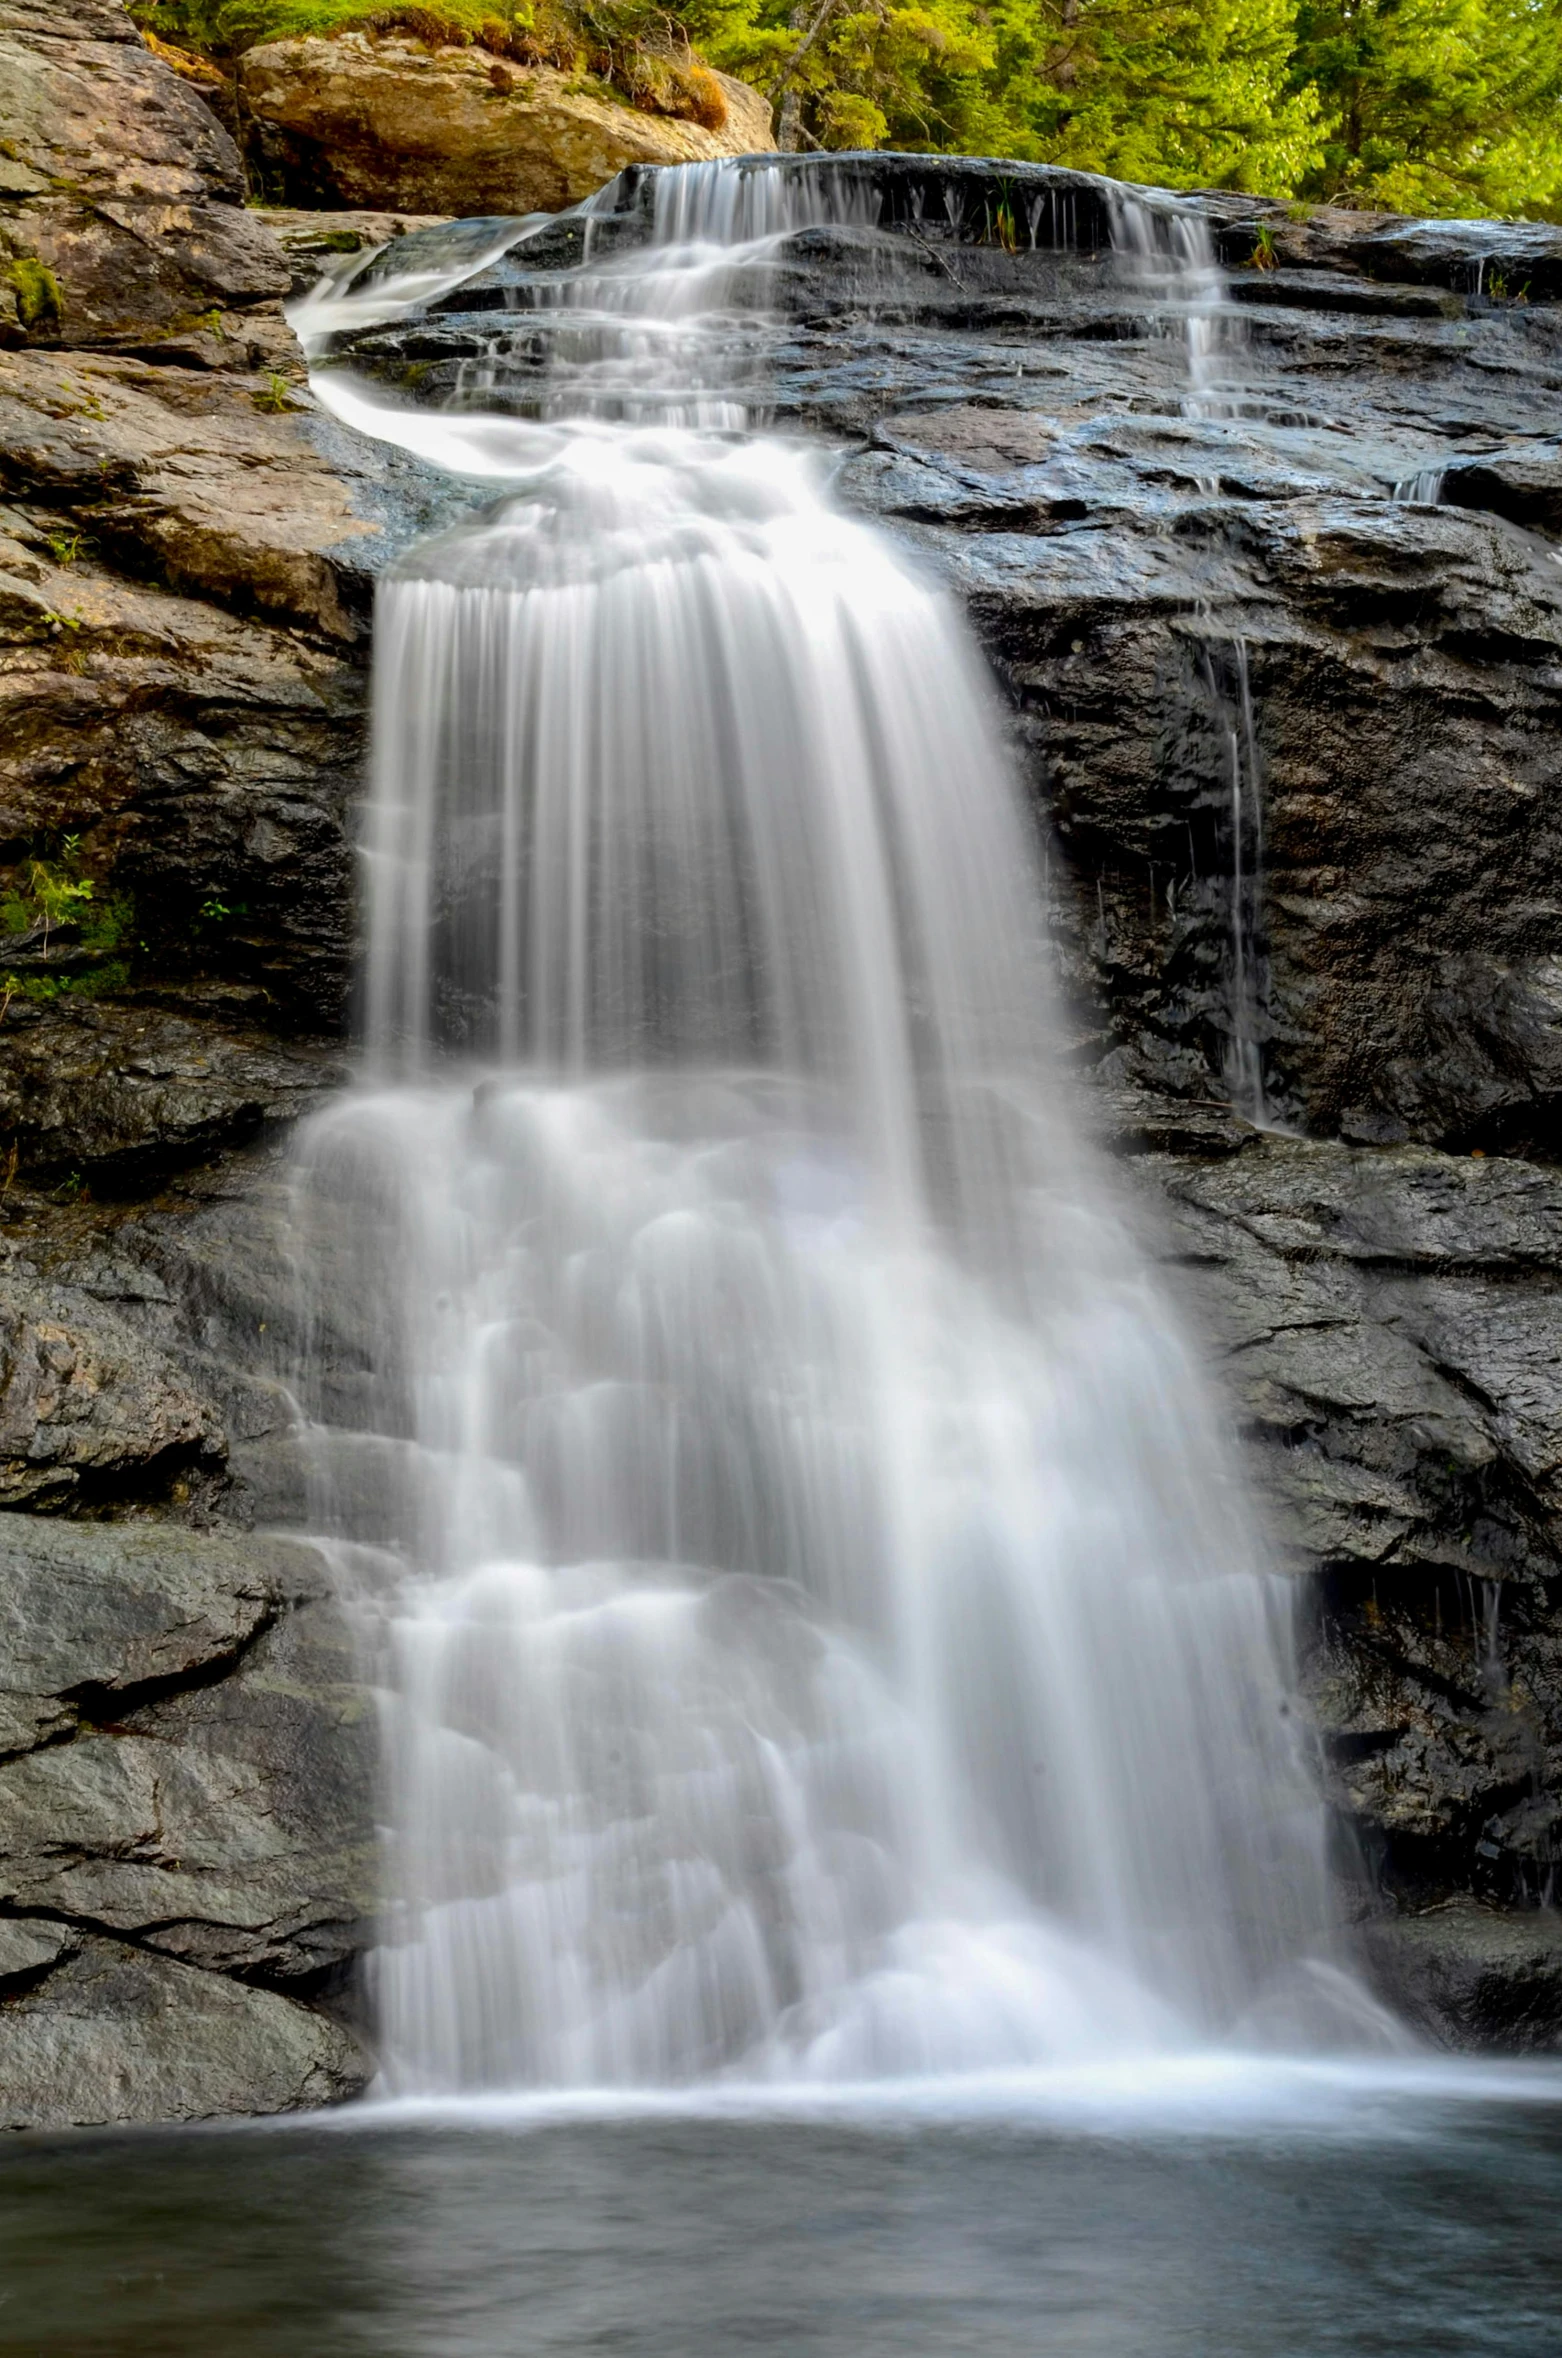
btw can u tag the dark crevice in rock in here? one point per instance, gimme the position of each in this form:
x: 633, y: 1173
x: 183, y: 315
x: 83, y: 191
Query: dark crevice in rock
x: 105, y: 1709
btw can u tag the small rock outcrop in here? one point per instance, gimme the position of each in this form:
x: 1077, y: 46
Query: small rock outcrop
x: 186, y: 1867
x: 120, y: 195
x: 363, y: 121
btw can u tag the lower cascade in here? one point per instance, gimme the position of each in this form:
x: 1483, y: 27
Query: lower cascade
x: 821, y: 1633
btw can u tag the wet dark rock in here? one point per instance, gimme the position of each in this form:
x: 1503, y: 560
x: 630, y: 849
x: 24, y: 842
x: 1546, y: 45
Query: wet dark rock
x: 1387, y: 1322
x: 185, y: 1824
x: 1470, y: 1977
x: 314, y: 242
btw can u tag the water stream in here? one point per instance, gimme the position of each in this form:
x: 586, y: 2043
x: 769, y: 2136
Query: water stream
x: 822, y: 1634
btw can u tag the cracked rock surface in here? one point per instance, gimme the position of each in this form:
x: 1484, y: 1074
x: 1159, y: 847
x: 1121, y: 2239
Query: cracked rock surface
x: 1388, y: 1323
x: 184, y: 1825
x: 116, y: 181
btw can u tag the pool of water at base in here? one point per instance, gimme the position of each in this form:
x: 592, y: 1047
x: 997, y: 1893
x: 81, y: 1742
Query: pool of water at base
x: 1401, y: 2223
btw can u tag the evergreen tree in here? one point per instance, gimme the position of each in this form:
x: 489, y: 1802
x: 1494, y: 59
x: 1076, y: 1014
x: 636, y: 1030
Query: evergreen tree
x: 1436, y: 106
x: 1182, y: 93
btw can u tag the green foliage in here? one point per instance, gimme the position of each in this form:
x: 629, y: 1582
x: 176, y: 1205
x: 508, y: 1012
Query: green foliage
x: 274, y: 396
x: 98, y: 982
x: 47, y: 892
x: 1183, y: 93
x: 222, y: 28
x: 1429, y: 106
x: 1436, y: 106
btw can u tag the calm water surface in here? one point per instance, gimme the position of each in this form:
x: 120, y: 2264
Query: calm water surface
x: 1405, y: 2226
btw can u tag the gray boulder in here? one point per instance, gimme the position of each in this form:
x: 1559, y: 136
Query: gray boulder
x: 185, y: 1824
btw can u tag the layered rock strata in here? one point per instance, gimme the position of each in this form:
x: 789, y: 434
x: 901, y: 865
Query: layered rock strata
x: 186, y: 567
x: 185, y: 1865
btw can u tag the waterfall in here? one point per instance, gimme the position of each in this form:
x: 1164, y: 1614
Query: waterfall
x: 1423, y: 489
x: 820, y: 1629
x: 1169, y: 258
x: 1167, y: 255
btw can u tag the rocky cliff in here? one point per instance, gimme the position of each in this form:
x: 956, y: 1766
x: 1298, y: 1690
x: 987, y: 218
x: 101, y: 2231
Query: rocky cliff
x: 1335, y: 1080
x: 186, y: 563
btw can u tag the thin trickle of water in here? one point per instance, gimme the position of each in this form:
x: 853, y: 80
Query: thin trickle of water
x: 821, y: 1632
x: 1423, y: 489
x: 1230, y: 685
x: 1168, y: 257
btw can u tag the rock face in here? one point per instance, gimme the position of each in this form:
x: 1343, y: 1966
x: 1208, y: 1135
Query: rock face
x: 184, y: 1808
x: 120, y: 209
x: 187, y: 552
x: 186, y: 562
x: 364, y: 121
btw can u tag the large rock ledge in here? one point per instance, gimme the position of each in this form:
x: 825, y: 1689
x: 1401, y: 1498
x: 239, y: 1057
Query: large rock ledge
x: 186, y: 1869
x: 187, y: 554
x: 365, y: 120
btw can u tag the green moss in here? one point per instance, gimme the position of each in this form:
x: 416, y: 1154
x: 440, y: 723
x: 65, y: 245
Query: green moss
x: 111, y: 923
x: 37, y: 290
x: 47, y: 892
x: 42, y: 989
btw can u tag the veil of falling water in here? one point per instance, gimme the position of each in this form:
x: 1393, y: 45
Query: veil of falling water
x: 820, y: 1631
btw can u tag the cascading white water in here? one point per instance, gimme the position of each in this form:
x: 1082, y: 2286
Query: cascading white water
x: 1168, y: 257
x: 826, y: 1636
x: 1423, y: 489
